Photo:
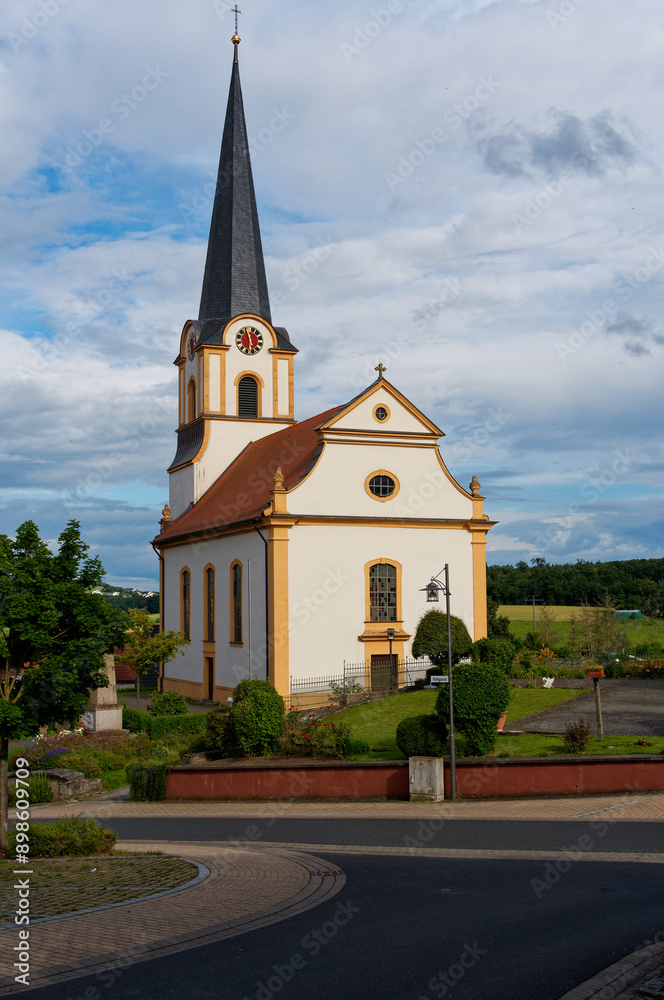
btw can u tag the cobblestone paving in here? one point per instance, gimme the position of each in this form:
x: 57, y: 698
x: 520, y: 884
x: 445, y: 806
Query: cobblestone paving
x: 641, y: 806
x: 243, y: 891
x: 64, y: 885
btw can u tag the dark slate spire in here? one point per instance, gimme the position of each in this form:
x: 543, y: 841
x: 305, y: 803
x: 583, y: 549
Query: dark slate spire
x: 234, y: 279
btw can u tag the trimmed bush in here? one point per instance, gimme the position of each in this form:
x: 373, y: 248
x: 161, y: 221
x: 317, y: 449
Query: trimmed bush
x: 135, y: 721
x: 422, y: 736
x: 168, y: 703
x: 220, y: 732
x: 159, y: 725
x: 481, y: 695
x: 356, y: 748
x: 147, y: 781
x: 431, y: 638
x: 258, y: 716
x: 176, y: 725
x: 498, y: 652
x: 71, y: 836
x: 576, y: 736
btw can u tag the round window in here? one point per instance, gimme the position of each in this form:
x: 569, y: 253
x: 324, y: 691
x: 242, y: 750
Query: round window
x: 380, y: 413
x: 382, y: 486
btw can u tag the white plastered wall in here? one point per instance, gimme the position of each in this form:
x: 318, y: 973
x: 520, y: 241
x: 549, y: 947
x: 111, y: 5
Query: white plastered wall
x: 231, y: 662
x: 327, y: 587
x: 337, y: 484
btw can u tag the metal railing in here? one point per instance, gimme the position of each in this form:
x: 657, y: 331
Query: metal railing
x: 381, y: 676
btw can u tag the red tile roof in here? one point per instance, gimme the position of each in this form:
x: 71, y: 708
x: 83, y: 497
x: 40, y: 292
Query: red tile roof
x: 242, y: 491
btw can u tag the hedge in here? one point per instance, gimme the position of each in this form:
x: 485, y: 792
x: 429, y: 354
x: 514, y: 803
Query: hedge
x: 422, y: 736
x: 71, y: 836
x: 161, y: 725
x: 481, y: 695
x: 147, y: 781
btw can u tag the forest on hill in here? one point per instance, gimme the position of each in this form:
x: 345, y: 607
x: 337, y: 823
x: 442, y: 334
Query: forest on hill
x: 631, y: 583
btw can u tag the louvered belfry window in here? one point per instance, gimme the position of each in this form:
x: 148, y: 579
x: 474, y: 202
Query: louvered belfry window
x: 247, y: 398
x: 383, y: 592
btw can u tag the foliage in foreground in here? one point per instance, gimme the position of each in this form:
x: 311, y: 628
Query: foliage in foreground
x: 70, y: 836
x: 422, y: 736
x: 481, y: 695
x: 431, y: 638
x: 168, y: 703
x: 576, y: 736
x: 147, y: 781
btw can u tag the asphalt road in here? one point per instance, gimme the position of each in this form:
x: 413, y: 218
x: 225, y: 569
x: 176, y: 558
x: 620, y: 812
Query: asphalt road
x: 527, y: 835
x: 404, y: 928
x: 628, y: 708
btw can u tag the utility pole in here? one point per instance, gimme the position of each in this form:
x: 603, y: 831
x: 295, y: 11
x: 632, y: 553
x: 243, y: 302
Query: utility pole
x: 536, y: 600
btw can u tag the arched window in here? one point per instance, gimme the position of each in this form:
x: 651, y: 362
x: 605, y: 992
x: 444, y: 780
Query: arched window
x: 191, y: 400
x: 236, y: 604
x: 383, y: 593
x: 209, y: 601
x: 185, y: 613
x: 247, y: 398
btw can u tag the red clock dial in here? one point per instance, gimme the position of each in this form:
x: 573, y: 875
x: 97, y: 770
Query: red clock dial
x: 249, y: 340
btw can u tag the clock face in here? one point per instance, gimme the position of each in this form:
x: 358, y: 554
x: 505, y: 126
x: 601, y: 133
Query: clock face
x: 191, y: 344
x: 249, y: 340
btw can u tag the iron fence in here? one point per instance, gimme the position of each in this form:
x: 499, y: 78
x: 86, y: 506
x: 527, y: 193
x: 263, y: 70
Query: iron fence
x: 357, y: 680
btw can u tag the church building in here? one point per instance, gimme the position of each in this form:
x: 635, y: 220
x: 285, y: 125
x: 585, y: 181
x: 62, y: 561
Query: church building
x: 289, y: 547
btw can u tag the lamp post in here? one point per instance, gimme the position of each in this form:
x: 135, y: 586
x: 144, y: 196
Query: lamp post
x: 432, y: 590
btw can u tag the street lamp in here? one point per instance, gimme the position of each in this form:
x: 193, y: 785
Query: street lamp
x: 433, y: 588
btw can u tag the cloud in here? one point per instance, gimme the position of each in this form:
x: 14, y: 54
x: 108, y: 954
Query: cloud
x: 569, y: 143
x: 639, y: 335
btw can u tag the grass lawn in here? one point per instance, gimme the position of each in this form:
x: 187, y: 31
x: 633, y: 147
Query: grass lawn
x: 543, y: 745
x: 377, y: 722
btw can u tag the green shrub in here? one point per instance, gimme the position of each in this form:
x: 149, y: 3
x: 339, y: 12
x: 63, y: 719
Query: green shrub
x: 176, y: 725
x: 356, y: 748
x: 305, y: 735
x: 86, y: 764
x: 71, y: 836
x: 39, y: 790
x: 576, y: 736
x: 147, y: 781
x: 159, y: 725
x: 481, y: 695
x: 220, y: 732
x: 258, y: 717
x: 135, y: 721
x: 431, y: 638
x: 498, y: 652
x: 168, y: 703
x: 422, y: 736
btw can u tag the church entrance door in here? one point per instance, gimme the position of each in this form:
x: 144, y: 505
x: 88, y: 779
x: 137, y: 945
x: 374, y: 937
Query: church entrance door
x: 384, y: 672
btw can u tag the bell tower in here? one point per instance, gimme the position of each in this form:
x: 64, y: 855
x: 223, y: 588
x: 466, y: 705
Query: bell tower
x: 235, y: 368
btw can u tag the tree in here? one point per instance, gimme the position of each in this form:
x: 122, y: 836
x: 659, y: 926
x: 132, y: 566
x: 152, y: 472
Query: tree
x: 143, y: 649
x: 53, y: 635
x: 498, y: 626
x: 481, y: 695
x: 431, y: 638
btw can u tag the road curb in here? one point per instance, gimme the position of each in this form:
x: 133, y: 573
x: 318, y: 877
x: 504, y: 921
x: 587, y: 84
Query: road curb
x: 629, y: 972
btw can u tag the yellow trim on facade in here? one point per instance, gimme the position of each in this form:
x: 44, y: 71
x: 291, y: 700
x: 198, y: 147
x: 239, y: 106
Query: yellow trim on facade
x: 260, y: 385
x: 382, y: 472
x: 381, y: 420
x: 391, y: 391
x: 277, y: 540
x: 478, y: 545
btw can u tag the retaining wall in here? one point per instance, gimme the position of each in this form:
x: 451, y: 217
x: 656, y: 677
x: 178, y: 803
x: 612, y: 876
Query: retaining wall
x: 500, y: 778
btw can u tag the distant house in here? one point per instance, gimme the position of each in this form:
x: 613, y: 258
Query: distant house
x: 627, y: 614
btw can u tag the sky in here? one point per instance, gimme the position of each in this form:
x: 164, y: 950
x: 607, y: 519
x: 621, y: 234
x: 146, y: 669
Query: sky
x: 469, y: 191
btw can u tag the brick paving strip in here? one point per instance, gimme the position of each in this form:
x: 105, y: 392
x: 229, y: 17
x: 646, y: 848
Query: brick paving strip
x: 244, y: 891
x: 636, y: 976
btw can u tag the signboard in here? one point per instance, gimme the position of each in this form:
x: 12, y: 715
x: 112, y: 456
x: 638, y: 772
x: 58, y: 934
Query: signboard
x: 439, y: 679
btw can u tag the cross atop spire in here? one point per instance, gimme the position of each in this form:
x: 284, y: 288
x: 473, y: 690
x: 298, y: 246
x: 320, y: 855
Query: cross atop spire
x: 235, y: 10
x: 234, y: 280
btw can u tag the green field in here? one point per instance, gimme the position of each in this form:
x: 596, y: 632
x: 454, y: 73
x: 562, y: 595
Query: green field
x: 644, y: 630
x: 376, y: 722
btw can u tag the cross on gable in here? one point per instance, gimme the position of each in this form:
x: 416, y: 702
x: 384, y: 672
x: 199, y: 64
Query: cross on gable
x: 380, y: 368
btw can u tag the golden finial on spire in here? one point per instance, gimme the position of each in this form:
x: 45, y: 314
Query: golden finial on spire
x: 279, y: 479
x: 475, y: 486
x: 166, y: 515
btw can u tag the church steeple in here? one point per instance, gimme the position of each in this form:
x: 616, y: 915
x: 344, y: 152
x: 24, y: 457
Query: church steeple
x: 234, y: 281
